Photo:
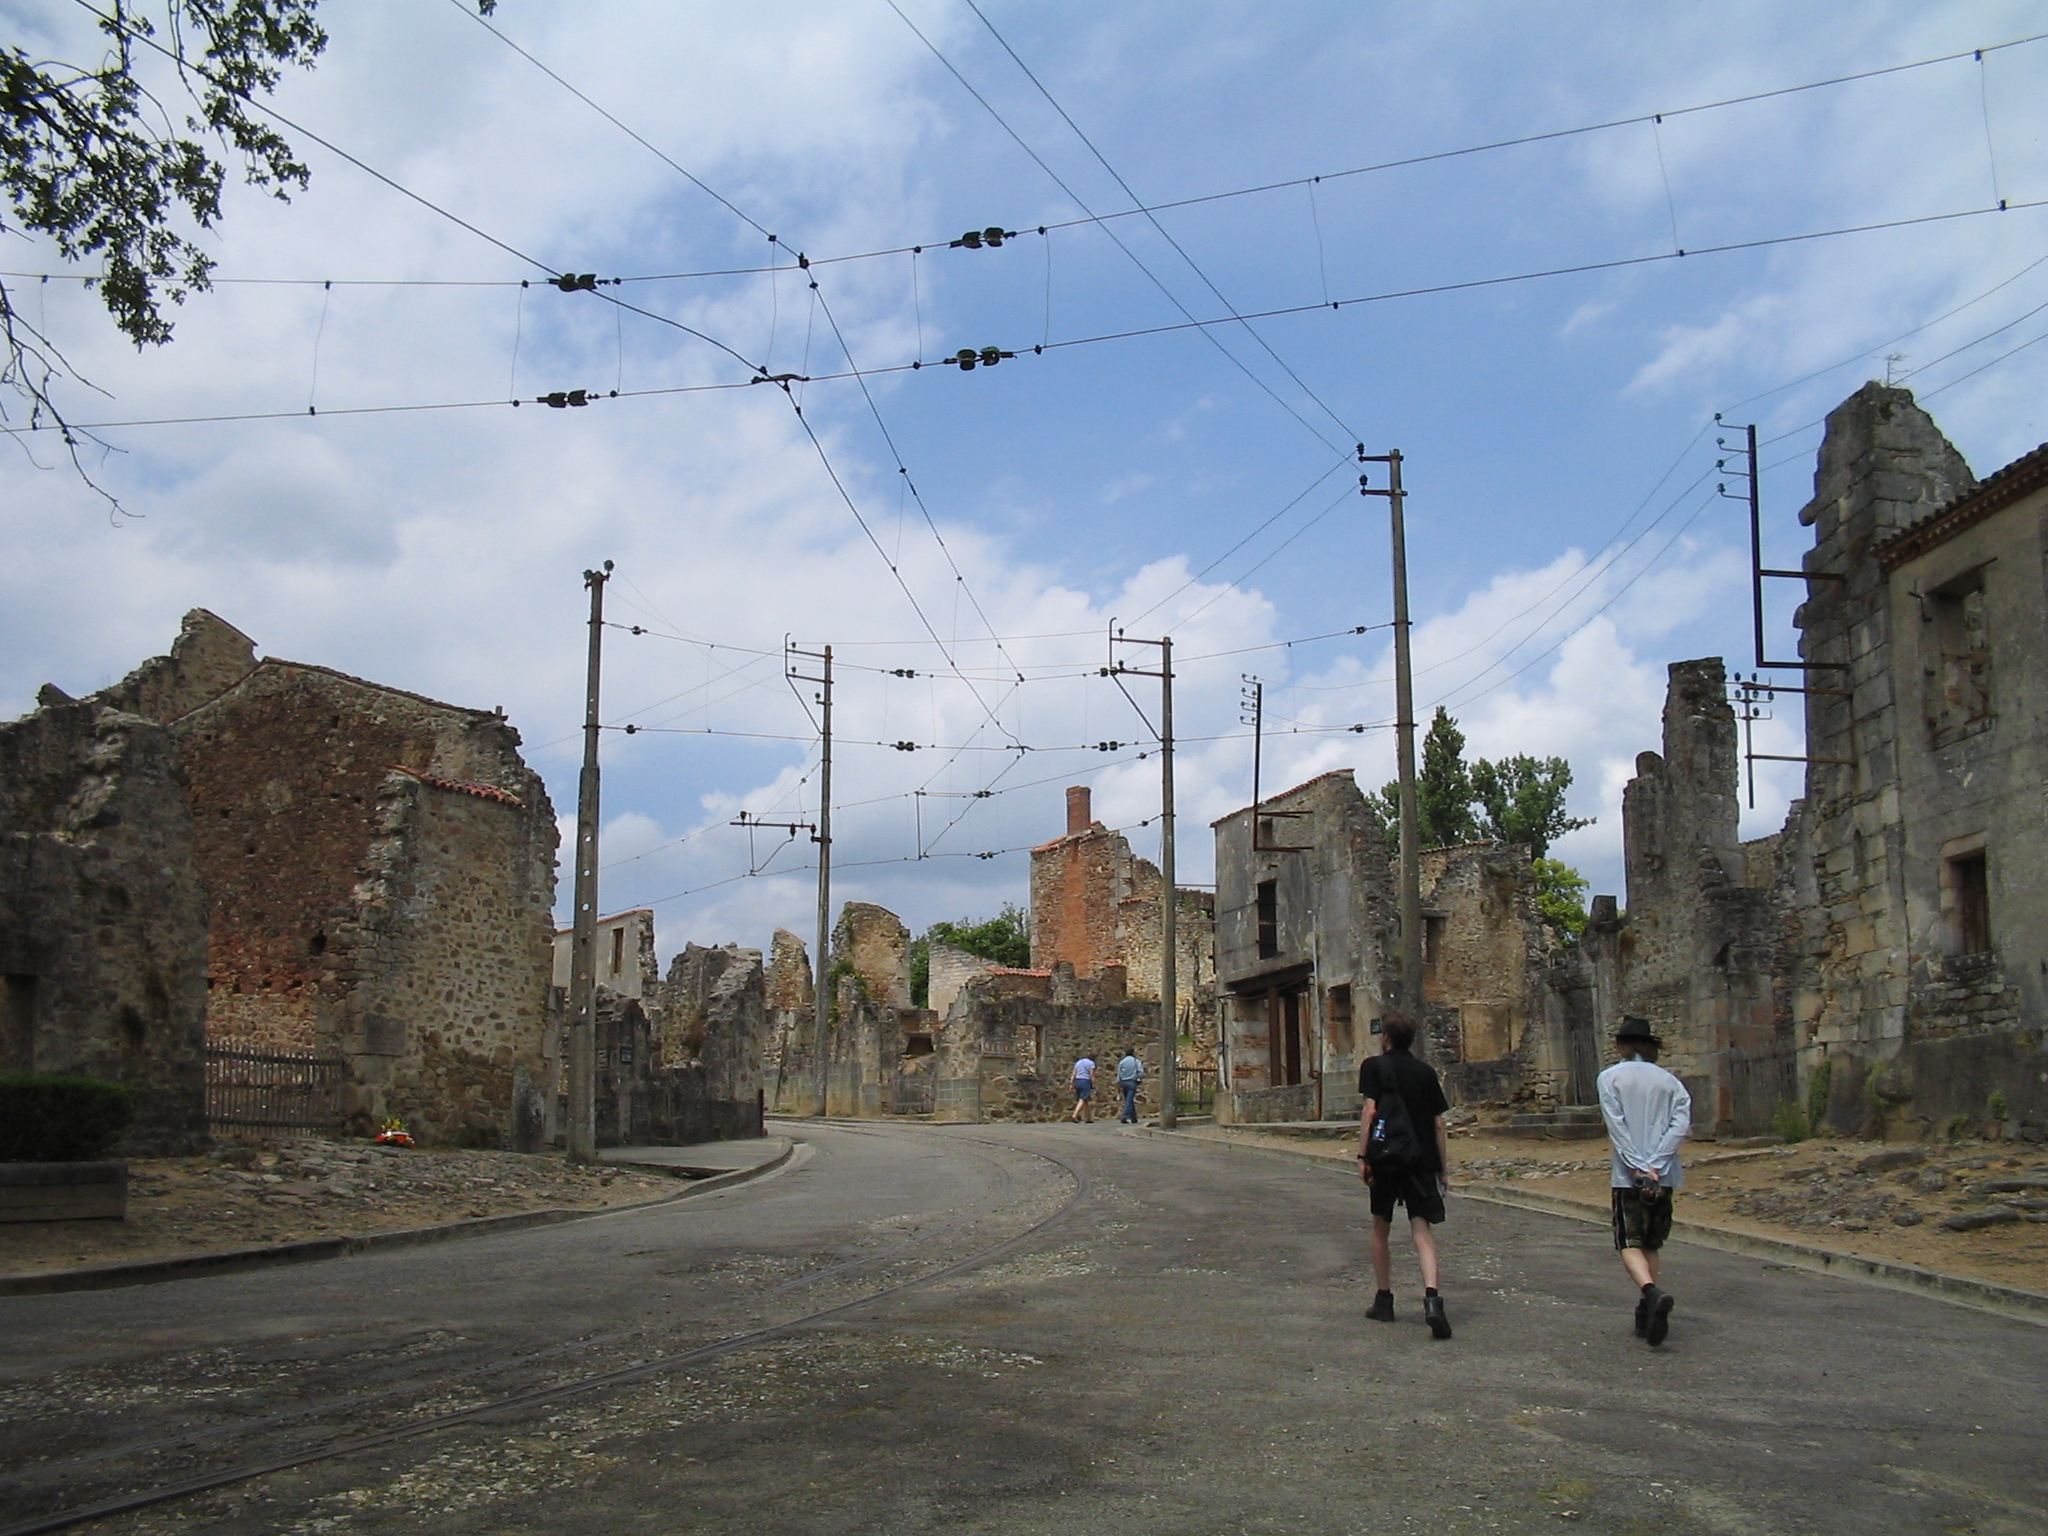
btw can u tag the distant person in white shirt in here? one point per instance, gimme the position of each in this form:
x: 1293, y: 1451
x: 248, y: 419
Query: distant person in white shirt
x: 1649, y: 1115
x: 1084, y: 1090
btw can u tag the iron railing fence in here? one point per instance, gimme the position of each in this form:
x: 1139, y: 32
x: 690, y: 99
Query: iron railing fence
x: 272, y: 1090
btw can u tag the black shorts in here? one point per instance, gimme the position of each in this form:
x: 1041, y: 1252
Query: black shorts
x: 1419, y: 1191
x: 1640, y: 1223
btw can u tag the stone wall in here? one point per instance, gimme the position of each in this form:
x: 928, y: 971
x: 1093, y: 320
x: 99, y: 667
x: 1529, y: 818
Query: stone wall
x: 1007, y: 1046
x: 1715, y: 926
x: 789, y: 1062
x: 1486, y: 953
x: 103, y: 914
x: 1095, y: 905
x: 951, y: 968
x: 381, y: 868
x: 437, y: 989
x: 1843, y: 938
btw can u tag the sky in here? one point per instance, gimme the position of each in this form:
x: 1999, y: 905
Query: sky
x: 950, y: 532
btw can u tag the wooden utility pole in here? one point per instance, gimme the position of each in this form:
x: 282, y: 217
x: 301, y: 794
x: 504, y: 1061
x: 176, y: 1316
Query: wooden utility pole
x: 821, y: 1002
x: 1169, y: 898
x: 582, y: 1042
x: 1404, y: 736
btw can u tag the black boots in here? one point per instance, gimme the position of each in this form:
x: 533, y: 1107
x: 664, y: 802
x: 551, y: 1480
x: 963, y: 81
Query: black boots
x: 1433, y: 1314
x: 1653, y: 1315
x: 1382, y: 1311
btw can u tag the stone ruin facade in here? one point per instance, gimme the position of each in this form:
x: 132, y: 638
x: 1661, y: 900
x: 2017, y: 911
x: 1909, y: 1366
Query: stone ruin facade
x: 377, y: 870
x: 102, y: 913
x: 999, y: 1044
x: 1894, y: 934
x: 1095, y: 907
x: 1307, y: 960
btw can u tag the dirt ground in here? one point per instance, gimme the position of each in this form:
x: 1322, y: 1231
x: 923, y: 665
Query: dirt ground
x: 1866, y: 1198
x: 243, y: 1196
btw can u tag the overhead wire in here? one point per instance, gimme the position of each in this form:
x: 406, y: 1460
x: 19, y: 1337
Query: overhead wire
x: 1092, y: 340
x: 1152, y: 218
x: 1117, y: 240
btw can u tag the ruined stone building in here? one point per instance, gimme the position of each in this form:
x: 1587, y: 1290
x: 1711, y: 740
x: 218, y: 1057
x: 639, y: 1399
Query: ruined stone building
x: 1894, y: 935
x: 1095, y: 907
x: 102, y: 914
x: 1307, y: 959
x: 626, y: 962
x: 377, y: 871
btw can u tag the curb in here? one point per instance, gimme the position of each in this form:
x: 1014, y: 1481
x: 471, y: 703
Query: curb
x: 229, y: 1261
x: 1982, y: 1295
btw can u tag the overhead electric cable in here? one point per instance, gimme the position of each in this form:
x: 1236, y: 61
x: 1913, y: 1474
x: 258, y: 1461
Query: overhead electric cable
x: 1136, y: 259
x: 592, y: 397
x: 1152, y: 219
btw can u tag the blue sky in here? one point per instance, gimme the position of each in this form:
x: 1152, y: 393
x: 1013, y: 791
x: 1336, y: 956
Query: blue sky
x: 441, y: 551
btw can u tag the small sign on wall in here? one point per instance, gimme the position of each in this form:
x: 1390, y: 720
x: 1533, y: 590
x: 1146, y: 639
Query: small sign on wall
x: 1378, y: 1027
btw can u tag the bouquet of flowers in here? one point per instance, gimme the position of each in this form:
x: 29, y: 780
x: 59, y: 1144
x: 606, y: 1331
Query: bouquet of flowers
x: 393, y: 1134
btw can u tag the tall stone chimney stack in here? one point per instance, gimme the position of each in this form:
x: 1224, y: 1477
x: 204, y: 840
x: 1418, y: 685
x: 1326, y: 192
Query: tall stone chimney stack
x: 1080, y: 812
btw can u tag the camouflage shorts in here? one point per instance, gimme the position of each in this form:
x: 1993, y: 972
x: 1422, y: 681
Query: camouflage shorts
x: 1640, y: 1223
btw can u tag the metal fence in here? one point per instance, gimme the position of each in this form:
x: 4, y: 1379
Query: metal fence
x: 912, y: 1093
x: 272, y: 1090
x: 1195, y: 1089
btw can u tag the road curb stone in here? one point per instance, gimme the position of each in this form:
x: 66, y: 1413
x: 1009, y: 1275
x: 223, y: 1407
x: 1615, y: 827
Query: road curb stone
x: 1983, y: 1295
x: 229, y: 1261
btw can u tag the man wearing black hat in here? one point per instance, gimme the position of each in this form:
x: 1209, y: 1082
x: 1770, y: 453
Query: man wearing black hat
x: 1648, y: 1114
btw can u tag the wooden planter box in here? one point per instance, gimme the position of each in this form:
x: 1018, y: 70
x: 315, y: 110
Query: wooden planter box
x: 63, y: 1191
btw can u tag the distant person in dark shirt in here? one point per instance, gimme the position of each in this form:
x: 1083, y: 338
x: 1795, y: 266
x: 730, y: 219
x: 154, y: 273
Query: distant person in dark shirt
x: 1403, y: 1154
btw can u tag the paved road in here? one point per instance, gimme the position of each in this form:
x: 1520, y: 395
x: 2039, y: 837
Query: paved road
x: 1181, y: 1352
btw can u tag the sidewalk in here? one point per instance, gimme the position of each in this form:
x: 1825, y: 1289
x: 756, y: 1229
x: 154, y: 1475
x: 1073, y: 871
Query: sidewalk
x: 193, y: 1216
x: 1976, y: 1269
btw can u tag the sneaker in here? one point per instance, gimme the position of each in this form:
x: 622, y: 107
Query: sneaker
x: 1382, y: 1308
x: 1642, y: 1318
x: 1659, y: 1326
x: 1433, y: 1314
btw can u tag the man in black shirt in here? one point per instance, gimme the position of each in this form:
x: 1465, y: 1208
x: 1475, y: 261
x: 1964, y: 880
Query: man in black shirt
x: 1403, y: 1154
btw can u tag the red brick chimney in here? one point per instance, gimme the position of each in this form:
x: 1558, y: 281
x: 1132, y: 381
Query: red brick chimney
x: 1080, y: 816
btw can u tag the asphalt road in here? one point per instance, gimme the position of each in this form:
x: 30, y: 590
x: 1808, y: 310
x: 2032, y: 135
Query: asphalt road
x: 1181, y: 1351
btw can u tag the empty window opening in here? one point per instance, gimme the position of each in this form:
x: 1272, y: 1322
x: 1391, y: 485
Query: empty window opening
x: 17, y: 1023
x: 1957, y: 658
x: 1269, y: 919
x: 1341, y: 1037
x: 1970, y: 911
x: 618, y: 951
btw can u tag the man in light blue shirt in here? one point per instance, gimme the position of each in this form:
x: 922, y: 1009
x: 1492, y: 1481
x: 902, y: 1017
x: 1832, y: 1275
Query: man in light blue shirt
x: 1648, y: 1115
x: 1130, y: 1072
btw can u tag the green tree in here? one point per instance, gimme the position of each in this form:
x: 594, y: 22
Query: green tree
x: 1004, y: 939
x: 1443, y: 790
x: 108, y: 169
x: 1561, y: 897
x: 1522, y: 801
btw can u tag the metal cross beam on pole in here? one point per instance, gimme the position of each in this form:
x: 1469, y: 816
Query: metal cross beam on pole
x: 821, y: 1004
x: 582, y: 1042
x: 1169, y: 893
x: 1404, y: 732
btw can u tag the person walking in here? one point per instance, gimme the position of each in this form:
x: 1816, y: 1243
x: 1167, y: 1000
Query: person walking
x: 1130, y: 1073
x: 1403, y: 1155
x: 1648, y: 1115
x: 1084, y: 1090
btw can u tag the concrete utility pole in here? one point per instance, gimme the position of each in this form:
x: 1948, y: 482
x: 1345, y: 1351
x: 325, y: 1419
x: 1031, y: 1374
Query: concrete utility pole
x: 821, y: 1002
x: 1404, y: 736
x: 582, y: 1041
x: 1169, y: 904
